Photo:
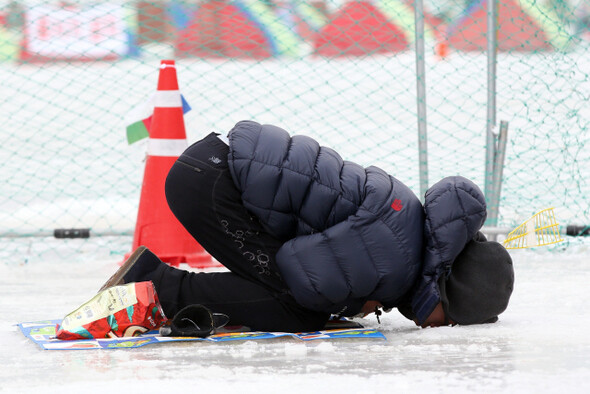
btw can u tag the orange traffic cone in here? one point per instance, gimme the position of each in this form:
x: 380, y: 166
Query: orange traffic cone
x: 156, y: 226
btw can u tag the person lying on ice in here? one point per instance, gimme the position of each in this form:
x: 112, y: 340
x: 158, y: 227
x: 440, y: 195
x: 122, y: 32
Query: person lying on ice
x: 306, y: 235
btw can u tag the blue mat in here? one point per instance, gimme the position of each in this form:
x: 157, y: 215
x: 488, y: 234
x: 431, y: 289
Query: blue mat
x: 43, y: 334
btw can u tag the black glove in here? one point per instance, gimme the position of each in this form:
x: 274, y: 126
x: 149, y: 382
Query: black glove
x: 193, y: 321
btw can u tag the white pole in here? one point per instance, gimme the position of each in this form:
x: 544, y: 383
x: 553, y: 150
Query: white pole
x: 421, y: 96
x: 491, y: 106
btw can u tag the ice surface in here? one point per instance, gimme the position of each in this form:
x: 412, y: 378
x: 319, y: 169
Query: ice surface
x: 540, y: 344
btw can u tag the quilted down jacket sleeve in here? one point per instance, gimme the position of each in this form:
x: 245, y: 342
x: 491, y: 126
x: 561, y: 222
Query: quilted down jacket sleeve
x: 455, y: 210
x: 362, y: 257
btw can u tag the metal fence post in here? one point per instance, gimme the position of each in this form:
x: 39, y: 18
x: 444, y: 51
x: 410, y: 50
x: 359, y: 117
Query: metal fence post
x: 491, y: 105
x: 494, y: 205
x: 421, y: 97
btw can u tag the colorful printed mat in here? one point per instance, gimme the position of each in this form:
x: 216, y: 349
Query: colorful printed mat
x: 43, y: 334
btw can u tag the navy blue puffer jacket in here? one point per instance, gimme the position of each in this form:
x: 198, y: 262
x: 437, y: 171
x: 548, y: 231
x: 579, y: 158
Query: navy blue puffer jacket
x: 351, y: 234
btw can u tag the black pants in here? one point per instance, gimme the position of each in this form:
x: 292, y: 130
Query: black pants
x: 201, y: 194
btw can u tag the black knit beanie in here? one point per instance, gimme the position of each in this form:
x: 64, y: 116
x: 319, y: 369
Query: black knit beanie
x: 480, y: 283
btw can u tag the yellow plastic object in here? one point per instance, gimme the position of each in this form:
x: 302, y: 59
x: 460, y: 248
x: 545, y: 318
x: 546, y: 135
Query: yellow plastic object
x: 540, y: 230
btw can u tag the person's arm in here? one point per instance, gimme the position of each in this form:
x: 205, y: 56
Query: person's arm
x: 327, y: 268
x: 373, y: 254
x: 455, y: 210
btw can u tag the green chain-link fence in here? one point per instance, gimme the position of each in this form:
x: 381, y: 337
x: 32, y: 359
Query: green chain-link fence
x: 343, y: 72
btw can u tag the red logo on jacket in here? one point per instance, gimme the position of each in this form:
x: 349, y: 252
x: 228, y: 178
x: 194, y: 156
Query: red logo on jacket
x: 397, y: 205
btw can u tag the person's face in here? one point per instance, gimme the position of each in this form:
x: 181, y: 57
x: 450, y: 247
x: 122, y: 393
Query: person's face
x: 436, y: 318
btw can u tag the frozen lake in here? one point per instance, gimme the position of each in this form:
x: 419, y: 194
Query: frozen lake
x: 540, y: 344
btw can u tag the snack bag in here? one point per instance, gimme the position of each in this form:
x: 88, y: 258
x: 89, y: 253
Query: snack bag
x: 119, y: 311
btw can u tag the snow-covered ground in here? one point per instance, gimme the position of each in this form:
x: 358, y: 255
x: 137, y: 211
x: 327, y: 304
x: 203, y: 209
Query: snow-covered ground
x: 540, y: 344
